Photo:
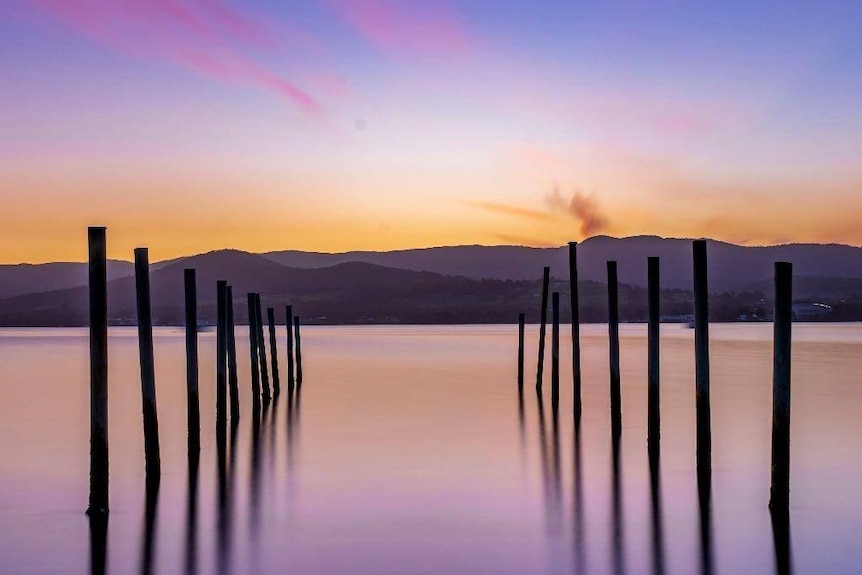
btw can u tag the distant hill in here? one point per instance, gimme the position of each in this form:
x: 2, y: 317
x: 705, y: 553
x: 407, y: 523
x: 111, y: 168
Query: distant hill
x: 462, y: 284
x: 353, y: 292
x: 29, y: 278
x: 731, y: 267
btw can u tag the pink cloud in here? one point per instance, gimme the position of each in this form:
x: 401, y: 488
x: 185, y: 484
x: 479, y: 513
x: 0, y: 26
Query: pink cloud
x: 425, y: 27
x: 207, y: 37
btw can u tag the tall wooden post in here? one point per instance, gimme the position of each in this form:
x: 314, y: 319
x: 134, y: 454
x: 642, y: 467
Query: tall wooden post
x: 261, y: 349
x: 521, y: 326
x: 289, y: 323
x: 614, y: 349
x: 298, y: 338
x: 576, y: 329
x: 783, y: 316
x: 273, y: 351
x: 98, y: 281
x: 148, y: 375
x: 192, y: 392
x: 653, y: 339
x: 232, y: 376
x: 546, y: 278
x: 701, y: 342
x: 555, y: 351
x: 252, y: 345
x: 221, y: 356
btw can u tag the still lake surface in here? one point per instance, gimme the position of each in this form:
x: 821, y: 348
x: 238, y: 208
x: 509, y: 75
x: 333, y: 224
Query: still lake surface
x: 408, y: 454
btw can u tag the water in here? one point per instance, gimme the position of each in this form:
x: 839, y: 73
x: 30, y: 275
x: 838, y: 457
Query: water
x: 407, y: 454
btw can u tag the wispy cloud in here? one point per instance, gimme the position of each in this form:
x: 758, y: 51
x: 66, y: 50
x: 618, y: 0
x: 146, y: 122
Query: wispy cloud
x: 526, y: 241
x: 508, y: 210
x: 422, y: 27
x: 207, y: 37
x: 582, y: 207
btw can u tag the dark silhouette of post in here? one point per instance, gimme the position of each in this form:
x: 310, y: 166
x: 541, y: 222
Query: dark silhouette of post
x: 98, y: 543
x: 546, y: 278
x: 261, y: 349
x: 148, y: 374
x: 298, y: 338
x: 555, y: 351
x: 273, y: 351
x: 701, y: 342
x: 521, y: 320
x: 221, y: 355
x: 98, y: 281
x: 252, y: 346
x: 576, y: 329
x: 192, y: 392
x: 653, y: 365
x: 289, y: 323
x: 656, y: 515
x: 781, y: 538
x: 614, y: 349
x: 232, y: 377
x: 779, y: 499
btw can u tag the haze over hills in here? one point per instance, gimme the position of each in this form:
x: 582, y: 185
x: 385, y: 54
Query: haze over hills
x: 436, y: 285
x: 731, y: 266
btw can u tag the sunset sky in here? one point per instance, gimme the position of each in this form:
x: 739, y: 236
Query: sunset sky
x: 333, y: 125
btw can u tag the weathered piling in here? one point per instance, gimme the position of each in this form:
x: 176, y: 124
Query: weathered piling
x: 221, y: 355
x: 232, y: 376
x: 252, y: 346
x: 576, y: 329
x: 701, y: 342
x: 783, y: 317
x: 288, y: 310
x: 192, y: 392
x: 543, y: 321
x: 653, y: 366
x: 98, y: 281
x: 273, y: 351
x: 521, y: 321
x: 261, y: 349
x: 555, y: 351
x: 148, y: 375
x: 614, y: 349
x: 298, y: 338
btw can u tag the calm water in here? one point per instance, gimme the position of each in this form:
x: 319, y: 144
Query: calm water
x: 407, y: 454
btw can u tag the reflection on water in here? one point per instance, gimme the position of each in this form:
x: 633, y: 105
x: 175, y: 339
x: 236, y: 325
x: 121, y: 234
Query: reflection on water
x: 419, y: 456
x: 656, y: 512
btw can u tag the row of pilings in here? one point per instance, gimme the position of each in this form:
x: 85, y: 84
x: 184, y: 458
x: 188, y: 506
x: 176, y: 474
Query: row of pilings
x: 265, y: 375
x: 779, y: 498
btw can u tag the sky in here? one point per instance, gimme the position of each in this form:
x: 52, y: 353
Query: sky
x: 336, y: 125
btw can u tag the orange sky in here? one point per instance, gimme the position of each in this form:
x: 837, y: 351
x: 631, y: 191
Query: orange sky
x: 382, y: 125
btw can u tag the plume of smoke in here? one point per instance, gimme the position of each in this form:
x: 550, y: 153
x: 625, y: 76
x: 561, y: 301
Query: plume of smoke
x: 580, y: 206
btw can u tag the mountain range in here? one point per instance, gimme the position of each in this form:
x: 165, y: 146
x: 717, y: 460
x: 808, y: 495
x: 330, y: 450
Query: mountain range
x: 461, y: 284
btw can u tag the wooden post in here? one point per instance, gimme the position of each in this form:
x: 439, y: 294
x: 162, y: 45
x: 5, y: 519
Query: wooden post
x: 273, y: 351
x: 221, y: 356
x: 614, y: 349
x: 192, y: 392
x: 148, y: 375
x: 555, y: 351
x: 546, y: 278
x: 576, y: 329
x: 98, y: 504
x: 783, y: 317
x: 289, y: 323
x: 298, y: 352
x: 653, y: 336
x: 252, y: 346
x: 232, y: 377
x: 261, y: 348
x: 701, y: 342
x: 521, y: 321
